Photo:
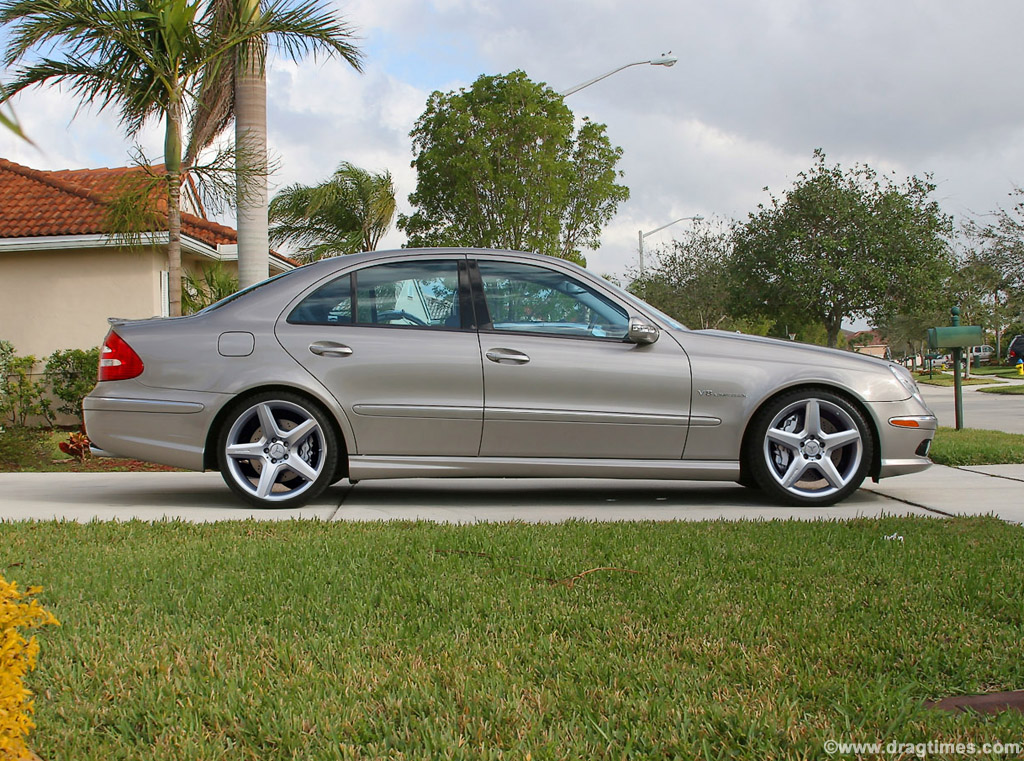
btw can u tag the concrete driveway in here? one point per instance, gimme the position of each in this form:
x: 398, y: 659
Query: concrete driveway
x: 203, y: 497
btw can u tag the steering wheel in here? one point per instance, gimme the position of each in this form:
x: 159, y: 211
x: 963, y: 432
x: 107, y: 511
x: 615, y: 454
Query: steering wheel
x: 398, y: 314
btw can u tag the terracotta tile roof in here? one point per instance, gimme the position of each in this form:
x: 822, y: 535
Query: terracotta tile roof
x: 74, y: 202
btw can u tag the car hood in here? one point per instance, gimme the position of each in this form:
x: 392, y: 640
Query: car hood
x: 811, y: 352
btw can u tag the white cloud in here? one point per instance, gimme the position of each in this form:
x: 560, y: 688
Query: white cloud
x: 914, y: 86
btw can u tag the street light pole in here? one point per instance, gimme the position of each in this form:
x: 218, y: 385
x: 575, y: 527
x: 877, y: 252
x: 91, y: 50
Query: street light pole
x: 641, y: 235
x: 666, y: 60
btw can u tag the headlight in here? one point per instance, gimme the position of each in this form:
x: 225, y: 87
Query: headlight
x: 907, y: 381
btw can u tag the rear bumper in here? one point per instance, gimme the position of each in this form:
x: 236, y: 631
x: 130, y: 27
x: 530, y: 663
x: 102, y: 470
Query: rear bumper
x: 121, y: 422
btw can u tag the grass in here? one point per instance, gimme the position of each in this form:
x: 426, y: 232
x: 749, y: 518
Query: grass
x: 972, y: 446
x: 305, y: 640
x: 1001, y: 371
x: 36, y: 450
x: 946, y: 379
x: 1008, y: 390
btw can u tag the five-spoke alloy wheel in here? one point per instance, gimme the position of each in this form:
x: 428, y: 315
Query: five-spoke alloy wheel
x: 277, y: 450
x: 809, y: 447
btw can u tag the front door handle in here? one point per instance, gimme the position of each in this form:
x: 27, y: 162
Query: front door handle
x: 508, y: 355
x: 330, y: 349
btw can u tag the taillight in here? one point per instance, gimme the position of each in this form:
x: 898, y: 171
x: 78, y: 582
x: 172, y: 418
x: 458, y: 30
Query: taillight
x: 118, y: 360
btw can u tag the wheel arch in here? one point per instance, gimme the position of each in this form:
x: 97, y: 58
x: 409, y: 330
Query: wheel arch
x: 876, y: 457
x: 210, y: 458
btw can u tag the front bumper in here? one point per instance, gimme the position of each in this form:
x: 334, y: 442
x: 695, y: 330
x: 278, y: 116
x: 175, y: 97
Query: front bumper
x: 905, y: 431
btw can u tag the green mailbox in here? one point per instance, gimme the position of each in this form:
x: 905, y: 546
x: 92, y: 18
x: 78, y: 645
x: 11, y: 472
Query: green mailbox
x: 954, y: 337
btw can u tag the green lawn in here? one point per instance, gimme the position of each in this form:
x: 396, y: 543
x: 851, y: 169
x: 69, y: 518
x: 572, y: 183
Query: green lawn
x: 1003, y: 371
x: 972, y: 446
x: 304, y: 640
x: 1009, y: 390
x: 946, y: 379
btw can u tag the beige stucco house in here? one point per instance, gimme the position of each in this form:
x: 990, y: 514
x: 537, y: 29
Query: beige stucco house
x: 62, y: 275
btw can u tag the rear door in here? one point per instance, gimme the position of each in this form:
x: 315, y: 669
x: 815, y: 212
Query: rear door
x: 397, y: 348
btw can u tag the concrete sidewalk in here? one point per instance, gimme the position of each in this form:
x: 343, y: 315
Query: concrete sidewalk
x: 203, y: 497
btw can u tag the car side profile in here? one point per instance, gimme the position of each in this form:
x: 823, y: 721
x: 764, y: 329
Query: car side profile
x: 482, y: 363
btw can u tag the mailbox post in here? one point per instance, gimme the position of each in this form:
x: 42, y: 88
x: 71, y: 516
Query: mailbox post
x: 956, y: 338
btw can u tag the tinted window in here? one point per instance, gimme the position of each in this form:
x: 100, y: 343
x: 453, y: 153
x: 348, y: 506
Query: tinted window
x: 420, y: 294
x: 328, y: 305
x: 525, y: 298
x: 412, y: 294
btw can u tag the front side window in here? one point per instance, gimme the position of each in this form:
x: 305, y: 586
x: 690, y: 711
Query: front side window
x: 412, y: 294
x: 528, y: 299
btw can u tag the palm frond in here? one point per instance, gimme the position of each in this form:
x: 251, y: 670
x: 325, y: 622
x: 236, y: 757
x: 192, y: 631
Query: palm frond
x: 349, y: 212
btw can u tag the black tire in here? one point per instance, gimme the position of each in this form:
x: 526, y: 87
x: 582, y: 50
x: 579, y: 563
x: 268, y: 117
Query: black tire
x: 302, y: 463
x: 809, y: 447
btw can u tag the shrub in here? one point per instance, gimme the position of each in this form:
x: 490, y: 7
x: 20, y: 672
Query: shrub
x: 6, y: 357
x: 71, y: 375
x: 199, y: 290
x: 20, y: 396
x: 17, y: 657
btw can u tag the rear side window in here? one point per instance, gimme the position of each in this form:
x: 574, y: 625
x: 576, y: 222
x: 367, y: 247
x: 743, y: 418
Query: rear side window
x: 417, y: 294
x: 330, y: 304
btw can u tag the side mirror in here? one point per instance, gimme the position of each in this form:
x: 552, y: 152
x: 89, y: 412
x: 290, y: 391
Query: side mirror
x: 642, y: 332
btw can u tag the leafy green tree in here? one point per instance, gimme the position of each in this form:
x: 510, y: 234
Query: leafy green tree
x: 991, y: 281
x: 501, y: 165
x: 690, y: 280
x: 347, y: 213
x: 146, y: 59
x: 907, y: 333
x: 1001, y: 237
x: 842, y: 245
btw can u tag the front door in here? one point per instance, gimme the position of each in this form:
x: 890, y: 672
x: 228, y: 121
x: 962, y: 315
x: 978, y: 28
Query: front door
x: 560, y: 379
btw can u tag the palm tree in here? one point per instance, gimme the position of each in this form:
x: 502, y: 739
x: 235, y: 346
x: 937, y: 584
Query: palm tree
x: 146, y: 59
x: 8, y: 120
x: 347, y: 213
x: 237, y: 87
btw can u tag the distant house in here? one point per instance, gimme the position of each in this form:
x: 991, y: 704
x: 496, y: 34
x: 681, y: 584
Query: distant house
x: 869, y: 342
x: 61, y: 273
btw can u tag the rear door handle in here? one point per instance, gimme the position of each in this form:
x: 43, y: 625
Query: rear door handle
x: 508, y: 355
x: 330, y: 349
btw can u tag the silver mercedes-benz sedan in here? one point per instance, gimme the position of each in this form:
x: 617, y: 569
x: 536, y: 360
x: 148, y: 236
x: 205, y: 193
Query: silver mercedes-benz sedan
x: 481, y: 363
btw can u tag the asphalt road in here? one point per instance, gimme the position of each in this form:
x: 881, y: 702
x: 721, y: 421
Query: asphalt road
x: 993, y: 412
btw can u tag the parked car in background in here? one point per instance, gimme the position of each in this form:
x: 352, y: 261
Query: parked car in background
x: 982, y: 355
x: 480, y: 363
x: 1016, y: 351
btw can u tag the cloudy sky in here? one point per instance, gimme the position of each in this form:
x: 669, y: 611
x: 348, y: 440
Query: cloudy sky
x: 907, y: 86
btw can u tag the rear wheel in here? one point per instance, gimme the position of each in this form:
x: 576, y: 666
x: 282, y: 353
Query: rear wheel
x: 277, y: 449
x: 809, y: 447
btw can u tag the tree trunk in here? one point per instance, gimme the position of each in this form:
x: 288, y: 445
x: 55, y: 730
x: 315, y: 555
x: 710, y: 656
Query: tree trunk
x: 832, y: 328
x: 172, y: 164
x: 251, y: 147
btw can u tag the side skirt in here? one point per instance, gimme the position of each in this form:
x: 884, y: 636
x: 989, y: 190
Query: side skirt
x: 368, y: 467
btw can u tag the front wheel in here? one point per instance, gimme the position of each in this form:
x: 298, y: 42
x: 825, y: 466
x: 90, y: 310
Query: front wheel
x: 809, y: 447
x: 277, y: 449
